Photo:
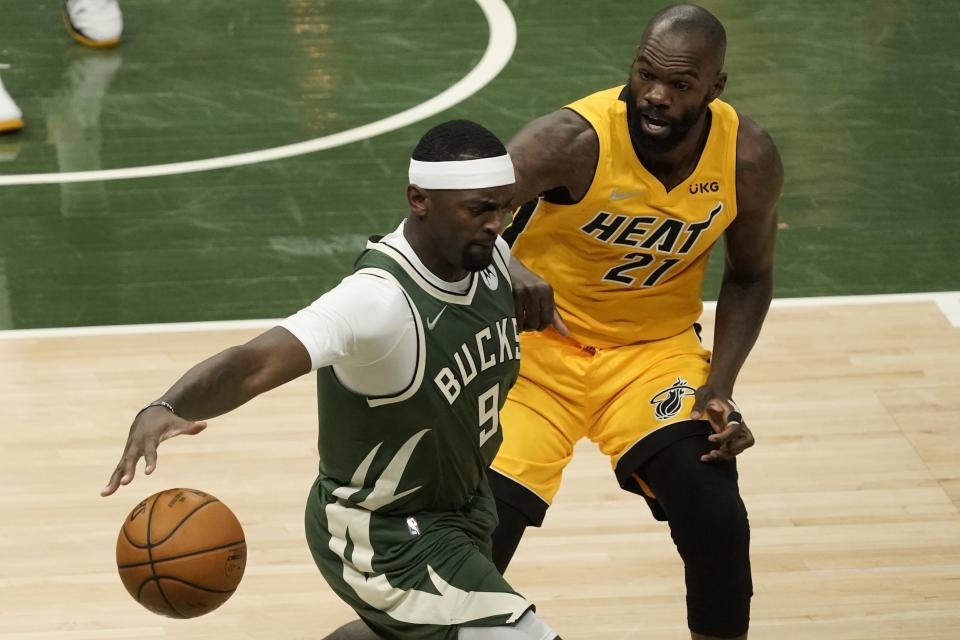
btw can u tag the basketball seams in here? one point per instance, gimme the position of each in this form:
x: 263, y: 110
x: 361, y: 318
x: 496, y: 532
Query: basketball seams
x: 193, y: 570
x: 180, y: 557
x: 181, y: 580
x: 179, y: 524
x: 153, y: 567
x: 192, y: 585
x: 131, y: 542
x: 166, y: 537
x: 145, y: 582
x: 160, y: 590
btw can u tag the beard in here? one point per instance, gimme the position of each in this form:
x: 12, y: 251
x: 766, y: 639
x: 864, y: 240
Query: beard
x: 679, y: 128
x: 476, y: 257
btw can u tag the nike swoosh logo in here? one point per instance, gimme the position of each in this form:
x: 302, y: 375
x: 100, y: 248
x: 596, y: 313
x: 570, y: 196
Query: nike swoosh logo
x: 432, y: 322
x: 616, y: 195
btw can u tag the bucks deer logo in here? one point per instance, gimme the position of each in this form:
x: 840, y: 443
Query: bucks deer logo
x: 490, y: 278
x: 667, y: 403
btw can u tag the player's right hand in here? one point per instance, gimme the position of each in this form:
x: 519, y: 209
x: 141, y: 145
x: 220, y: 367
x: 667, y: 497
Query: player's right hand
x: 151, y: 427
x: 533, y: 298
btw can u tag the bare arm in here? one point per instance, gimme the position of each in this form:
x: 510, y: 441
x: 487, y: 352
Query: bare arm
x: 748, y: 272
x: 556, y: 151
x: 747, y: 285
x: 237, y: 375
x: 213, y: 387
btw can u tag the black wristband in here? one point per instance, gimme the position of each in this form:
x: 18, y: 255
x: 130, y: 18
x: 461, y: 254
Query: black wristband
x: 157, y: 403
x: 734, y: 416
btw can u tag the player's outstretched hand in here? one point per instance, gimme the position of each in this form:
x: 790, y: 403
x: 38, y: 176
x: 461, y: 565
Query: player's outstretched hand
x: 151, y: 427
x: 730, y: 431
x: 533, y: 298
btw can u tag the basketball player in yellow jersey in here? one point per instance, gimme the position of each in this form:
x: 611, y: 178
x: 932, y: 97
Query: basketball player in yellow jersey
x: 636, y: 184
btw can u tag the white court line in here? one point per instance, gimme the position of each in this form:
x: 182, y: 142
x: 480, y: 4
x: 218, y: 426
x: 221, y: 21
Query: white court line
x: 948, y: 301
x: 950, y: 306
x: 500, y: 45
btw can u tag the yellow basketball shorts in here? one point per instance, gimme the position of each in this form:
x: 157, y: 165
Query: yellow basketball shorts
x: 632, y: 401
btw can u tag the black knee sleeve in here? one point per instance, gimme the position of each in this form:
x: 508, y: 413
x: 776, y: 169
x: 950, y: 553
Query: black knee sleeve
x: 518, y: 508
x: 506, y: 537
x: 708, y: 523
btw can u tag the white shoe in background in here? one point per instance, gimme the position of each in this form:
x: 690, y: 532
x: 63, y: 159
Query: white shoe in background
x: 11, y: 118
x: 95, y: 23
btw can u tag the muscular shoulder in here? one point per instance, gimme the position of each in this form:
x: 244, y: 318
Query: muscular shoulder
x: 754, y: 143
x: 560, y: 129
x: 572, y: 131
x: 557, y: 150
x: 759, y: 168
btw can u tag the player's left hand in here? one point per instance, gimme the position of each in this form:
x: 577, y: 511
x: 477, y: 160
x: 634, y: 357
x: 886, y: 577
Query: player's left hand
x: 533, y: 297
x: 730, y: 431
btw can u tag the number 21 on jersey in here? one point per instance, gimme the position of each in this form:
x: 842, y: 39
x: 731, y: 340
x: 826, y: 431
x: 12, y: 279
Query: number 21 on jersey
x: 627, y: 273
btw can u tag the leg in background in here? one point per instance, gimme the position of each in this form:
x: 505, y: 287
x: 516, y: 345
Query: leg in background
x: 506, y: 537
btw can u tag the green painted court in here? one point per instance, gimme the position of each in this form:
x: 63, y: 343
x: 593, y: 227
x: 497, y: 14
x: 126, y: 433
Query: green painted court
x: 861, y: 97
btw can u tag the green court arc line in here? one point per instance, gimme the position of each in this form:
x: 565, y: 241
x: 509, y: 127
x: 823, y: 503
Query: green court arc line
x: 501, y: 43
x: 947, y: 301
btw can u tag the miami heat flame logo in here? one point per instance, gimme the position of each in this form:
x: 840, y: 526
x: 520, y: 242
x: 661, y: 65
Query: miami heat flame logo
x: 669, y: 401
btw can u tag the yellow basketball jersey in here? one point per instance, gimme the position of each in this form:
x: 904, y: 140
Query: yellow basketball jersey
x: 626, y: 262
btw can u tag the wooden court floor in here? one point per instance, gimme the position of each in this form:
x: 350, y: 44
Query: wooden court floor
x: 853, y: 490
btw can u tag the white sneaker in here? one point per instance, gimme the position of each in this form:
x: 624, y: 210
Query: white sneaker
x: 95, y: 23
x: 11, y: 118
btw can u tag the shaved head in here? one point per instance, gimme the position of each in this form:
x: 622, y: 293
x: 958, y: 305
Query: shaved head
x: 691, y: 23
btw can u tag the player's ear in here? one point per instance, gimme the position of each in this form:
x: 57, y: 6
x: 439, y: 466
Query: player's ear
x: 417, y: 199
x: 719, y: 85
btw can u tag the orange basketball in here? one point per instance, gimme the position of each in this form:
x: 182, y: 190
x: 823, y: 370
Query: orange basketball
x: 181, y: 553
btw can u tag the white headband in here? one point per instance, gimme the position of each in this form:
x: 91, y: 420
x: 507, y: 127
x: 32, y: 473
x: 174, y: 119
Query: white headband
x: 481, y: 173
